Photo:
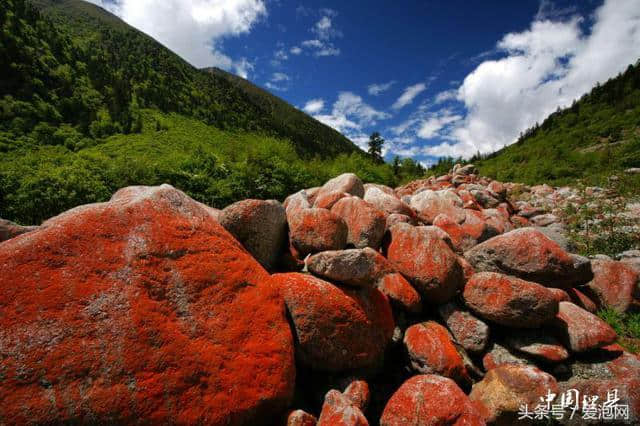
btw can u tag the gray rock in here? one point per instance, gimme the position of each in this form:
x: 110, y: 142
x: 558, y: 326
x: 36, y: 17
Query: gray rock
x: 10, y: 230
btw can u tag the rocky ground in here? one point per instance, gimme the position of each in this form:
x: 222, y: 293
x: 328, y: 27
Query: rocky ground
x: 454, y: 300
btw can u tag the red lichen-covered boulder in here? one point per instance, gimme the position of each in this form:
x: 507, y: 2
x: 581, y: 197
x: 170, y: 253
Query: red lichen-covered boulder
x: 580, y: 299
x: 613, y: 284
x: 426, y: 260
x: 470, y: 332
x: 260, y: 226
x: 135, y: 311
x: 528, y: 254
x: 387, y: 203
x: 430, y: 400
x: 560, y: 295
x: 339, y: 410
x: 295, y: 202
x: 314, y: 230
x: 505, y: 389
x: 581, y: 330
x: 10, y: 230
x: 400, y: 292
x: 509, y: 301
x: 359, y: 394
x: 429, y: 204
x: 326, y: 200
x: 432, y: 351
x: 301, y: 418
x: 538, y: 344
x: 395, y: 218
x: 366, y: 224
x: 347, y: 182
x: 355, y: 267
x: 336, y: 328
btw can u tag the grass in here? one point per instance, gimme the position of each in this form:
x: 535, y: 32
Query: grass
x: 627, y: 325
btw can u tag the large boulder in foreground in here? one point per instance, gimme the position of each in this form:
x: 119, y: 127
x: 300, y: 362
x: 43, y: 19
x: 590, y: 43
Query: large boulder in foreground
x: 430, y: 400
x: 529, y: 254
x: 135, y: 311
x: 261, y: 227
x: 510, y: 301
x: 336, y: 328
x: 426, y: 260
x: 507, y: 388
x: 613, y: 284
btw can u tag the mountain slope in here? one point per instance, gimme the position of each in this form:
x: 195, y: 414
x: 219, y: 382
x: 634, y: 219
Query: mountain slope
x: 89, y: 105
x: 599, y: 135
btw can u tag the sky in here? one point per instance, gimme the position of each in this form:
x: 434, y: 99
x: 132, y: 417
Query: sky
x: 434, y: 77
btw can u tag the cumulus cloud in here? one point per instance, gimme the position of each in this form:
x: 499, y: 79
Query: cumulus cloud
x: 279, y: 76
x: 325, y: 30
x: 377, y: 89
x: 321, y: 48
x: 314, y: 106
x: 295, y: 50
x: 409, y: 95
x: 431, y: 127
x: 193, y: 28
x: 547, y: 66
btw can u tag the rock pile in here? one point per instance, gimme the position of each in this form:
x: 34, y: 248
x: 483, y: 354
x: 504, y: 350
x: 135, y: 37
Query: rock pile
x: 440, y: 302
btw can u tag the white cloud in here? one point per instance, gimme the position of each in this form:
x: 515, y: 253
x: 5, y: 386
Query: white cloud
x: 549, y: 65
x: 295, y: 50
x: 409, y: 95
x: 242, y: 67
x: 432, y: 126
x: 325, y: 30
x: 376, y: 89
x: 446, y: 95
x: 192, y: 28
x: 314, y: 106
x: 279, y: 76
x: 274, y: 86
x: 281, y: 55
x: 322, y: 48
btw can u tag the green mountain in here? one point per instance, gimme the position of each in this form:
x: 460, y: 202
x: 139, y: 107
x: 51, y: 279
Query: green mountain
x: 88, y: 104
x: 598, y: 136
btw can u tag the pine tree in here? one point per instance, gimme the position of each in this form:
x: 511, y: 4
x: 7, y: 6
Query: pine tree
x: 375, y: 146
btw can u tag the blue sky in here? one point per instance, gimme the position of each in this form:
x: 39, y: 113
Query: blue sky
x: 434, y: 77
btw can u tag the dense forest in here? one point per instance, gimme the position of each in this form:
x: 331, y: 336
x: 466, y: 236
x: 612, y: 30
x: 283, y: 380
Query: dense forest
x: 88, y: 105
x: 597, y: 136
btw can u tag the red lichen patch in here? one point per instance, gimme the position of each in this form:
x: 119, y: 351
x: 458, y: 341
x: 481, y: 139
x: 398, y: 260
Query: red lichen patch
x: 426, y: 260
x: 509, y: 301
x: 326, y: 200
x: 135, y: 311
x: 314, y: 230
x: 359, y: 394
x: 432, y: 351
x: 336, y: 328
x: 430, y: 400
x: 366, y: 223
x: 582, y: 300
x: 400, y: 292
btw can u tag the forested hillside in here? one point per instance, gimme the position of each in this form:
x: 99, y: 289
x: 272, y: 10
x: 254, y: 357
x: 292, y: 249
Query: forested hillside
x: 88, y: 105
x: 599, y: 135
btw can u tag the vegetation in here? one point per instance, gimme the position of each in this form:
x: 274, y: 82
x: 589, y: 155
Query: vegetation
x: 89, y: 105
x: 376, y: 142
x: 627, y: 325
x: 599, y: 135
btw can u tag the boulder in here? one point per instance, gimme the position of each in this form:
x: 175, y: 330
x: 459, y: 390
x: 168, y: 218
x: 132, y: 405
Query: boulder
x: 580, y: 330
x: 135, y: 311
x: 394, y: 218
x: 347, y: 182
x: 326, y: 200
x: 260, y: 226
x: 338, y: 410
x: 336, y: 329
x: 544, y: 220
x: 358, y: 393
x: 400, y: 293
x: 580, y: 299
x: 507, y: 388
x: 387, y: 202
x: 509, y: 301
x: 10, y: 230
x: 297, y: 201
x: 315, y: 230
x: 301, y: 418
x: 366, y: 224
x: 432, y: 351
x: 430, y: 400
x: 527, y: 254
x: 470, y: 332
x: 426, y: 260
x: 498, y: 355
x: 613, y: 284
x: 538, y: 344
x: 429, y: 204
x: 558, y: 233
x: 355, y: 267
